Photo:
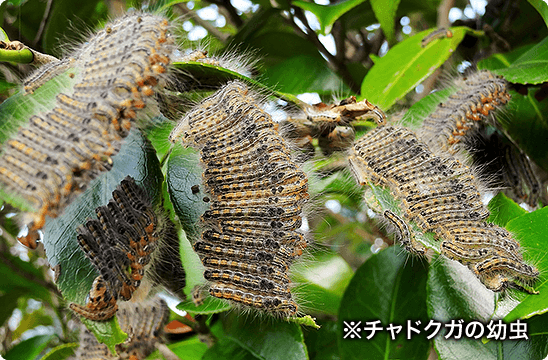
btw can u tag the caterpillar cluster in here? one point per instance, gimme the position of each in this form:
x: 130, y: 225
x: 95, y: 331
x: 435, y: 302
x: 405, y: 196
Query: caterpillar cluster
x: 119, y: 244
x: 53, y: 158
x: 440, y: 195
x: 256, y: 194
x: 329, y: 124
x: 477, y: 96
x: 143, y: 322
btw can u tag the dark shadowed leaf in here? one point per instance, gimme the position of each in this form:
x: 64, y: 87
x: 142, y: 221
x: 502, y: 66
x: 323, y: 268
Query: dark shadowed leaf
x: 390, y: 288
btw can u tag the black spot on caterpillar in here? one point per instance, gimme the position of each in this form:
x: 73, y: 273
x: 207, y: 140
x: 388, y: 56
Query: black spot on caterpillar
x: 53, y: 158
x: 441, y: 196
x: 256, y: 194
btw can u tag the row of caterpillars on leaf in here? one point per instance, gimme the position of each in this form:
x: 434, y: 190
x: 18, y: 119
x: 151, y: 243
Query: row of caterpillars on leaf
x: 52, y: 159
x: 438, y: 193
x: 256, y: 193
x: 130, y: 239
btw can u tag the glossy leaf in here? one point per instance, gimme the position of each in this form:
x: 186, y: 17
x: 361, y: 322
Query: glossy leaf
x: 531, y: 230
x: 206, y: 76
x: 136, y: 158
x: 304, y: 73
x: 61, y: 352
x: 385, y: 11
x: 272, y: 339
x: 328, y: 14
x: 469, y: 300
x: 503, y: 209
x: 391, y: 78
x: 380, y: 290
x: 29, y: 349
x: 528, y: 68
x: 542, y: 8
x: 321, y: 281
x: 227, y: 348
x: 188, y: 349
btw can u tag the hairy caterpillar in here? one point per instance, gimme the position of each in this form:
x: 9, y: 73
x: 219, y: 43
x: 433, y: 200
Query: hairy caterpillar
x: 250, y: 236
x: 436, y: 34
x: 477, y: 96
x: 439, y: 195
x: 143, y: 322
x: 52, y: 159
x: 119, y: 243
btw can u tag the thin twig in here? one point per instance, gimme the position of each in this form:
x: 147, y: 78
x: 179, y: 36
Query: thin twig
x: 203, y: 23
x: 45, y: 18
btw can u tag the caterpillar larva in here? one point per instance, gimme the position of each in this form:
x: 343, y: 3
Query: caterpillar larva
x: 439, y: 194
x: 119, y: 244
x: 478, y: 95
x: 143, y: 322
x: 54, y: 156
x: 250, y: 234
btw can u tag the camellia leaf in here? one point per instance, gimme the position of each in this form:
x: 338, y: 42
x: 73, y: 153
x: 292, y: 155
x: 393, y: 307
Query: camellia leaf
x: 29, y: 349
x: 188, y: 349
x: 272, y: 339
x: 380, y: 291
x: 61, y: 352
x: 528, y: 68
x: 503, y: 209
x: 542, y: 8
x: 416, y: 114
x: 328, y: 14
x: 308, y: 74
x: 391, y: 78
x: 385, y: 11
x: 76, y: 274
x: 531, y: 230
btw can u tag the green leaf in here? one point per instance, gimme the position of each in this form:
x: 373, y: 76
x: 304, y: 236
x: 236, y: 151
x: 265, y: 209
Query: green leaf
x: 302, y: 74
x: 189, y: 349
x: 502, y: 61
x: 227, y: 348
x: 276, y: 46
x: 324, y: 278
x: 529, y: 68
x: 531, y: 230
x: 200, y: 75
x: 542, y: 8
x: 29, y: 349
x: 23, y: 56
x: 272, y: 339
x: 526, y: 122
x: 503, y: 210
x: 391, y: 289
x: 391, y: 78
x: 322, y: 344
x: 61, y: 352
x: 136, y: 158
x: 468, y: 299
x: 328, y: 14
x: 4, y: 36
x: 32, y: 320
x: 9, y: 302
x: 385, y: 11
x: 209, y: 306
